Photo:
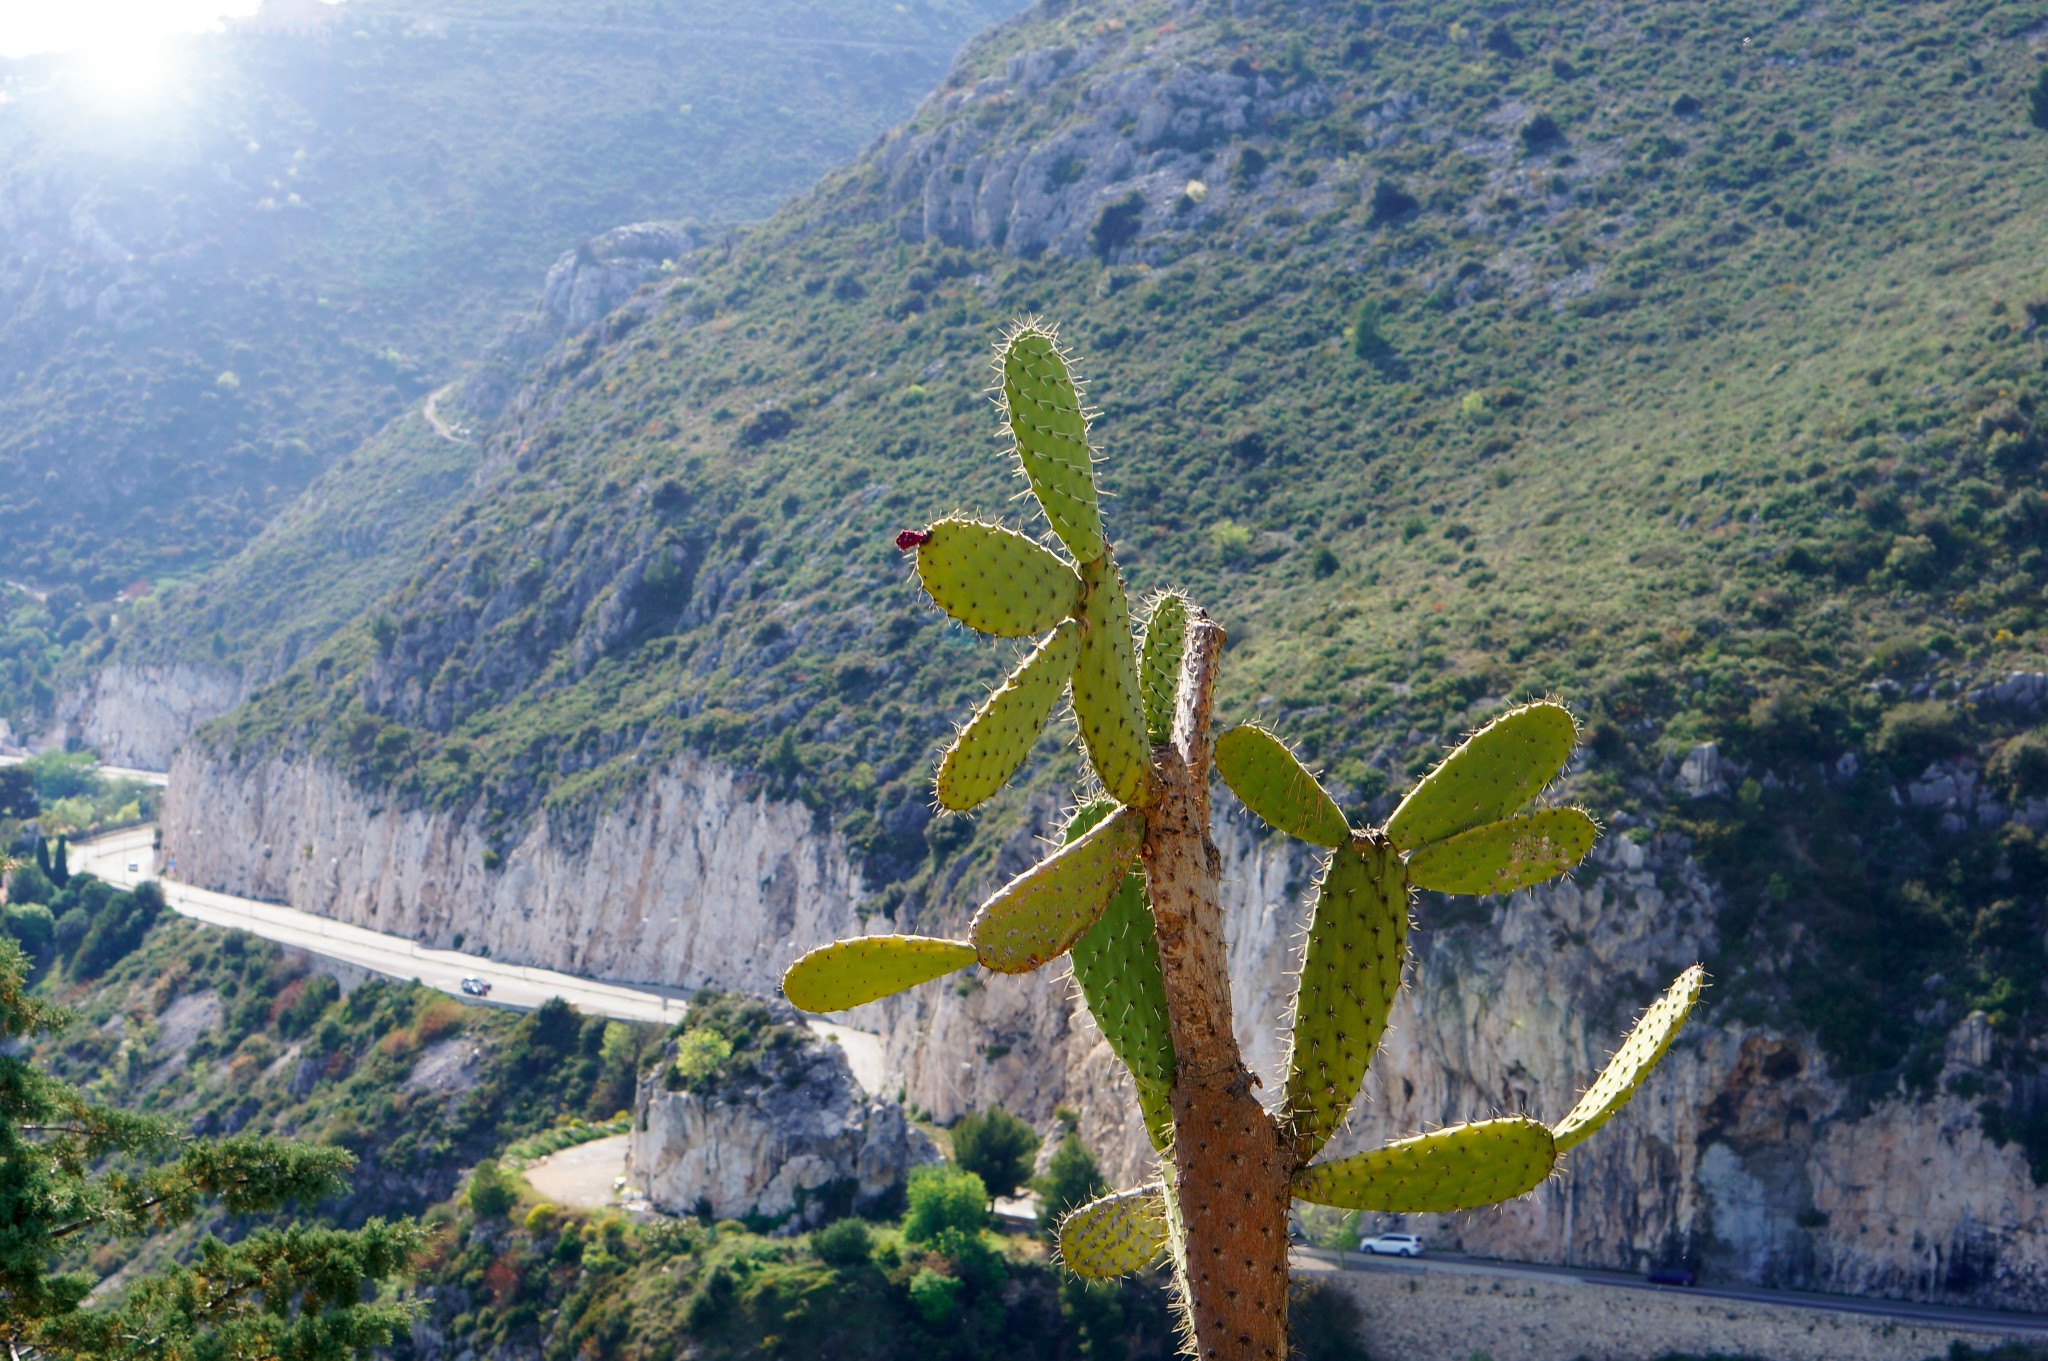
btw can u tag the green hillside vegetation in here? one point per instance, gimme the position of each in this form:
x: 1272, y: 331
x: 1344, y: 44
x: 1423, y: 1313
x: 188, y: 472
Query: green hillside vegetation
x: 228, y: 1033
x: 1687, y: 363
x: 212, y: 297
x: 287, y: 1052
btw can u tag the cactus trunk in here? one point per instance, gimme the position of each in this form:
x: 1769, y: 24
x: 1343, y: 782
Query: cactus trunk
x: 1231, y: 1161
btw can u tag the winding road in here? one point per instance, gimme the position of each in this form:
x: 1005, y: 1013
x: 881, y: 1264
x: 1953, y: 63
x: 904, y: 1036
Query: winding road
x: 127, y: 858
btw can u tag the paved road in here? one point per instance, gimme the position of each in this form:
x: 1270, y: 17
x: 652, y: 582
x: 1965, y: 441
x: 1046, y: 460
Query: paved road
x: 155, y: 777
x: 1980, y: 1320
x: 126, y: 858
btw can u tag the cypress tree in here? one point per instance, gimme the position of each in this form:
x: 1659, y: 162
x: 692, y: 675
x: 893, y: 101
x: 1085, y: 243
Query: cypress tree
x: 60, y: 864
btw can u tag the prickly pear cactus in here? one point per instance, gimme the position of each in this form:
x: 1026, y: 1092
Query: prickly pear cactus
x: 1128, y: 898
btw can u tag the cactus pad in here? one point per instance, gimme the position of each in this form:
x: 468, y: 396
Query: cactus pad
x: 1116, y: 1234
x: 1166, y: 635
x: 1496, y: 771
x: 1435, y: 1173
x: 1038, y: 915
x: 1350, y: 972
x: 1273, y: 783
x: 1506, y: 855
x: 1106, y: 687
x: 987, y: 752
x: 995, y: 579
x: 1116, y: 963
x: 847, y: 973
x: 1050, y: 427
x: 1633, y: 1061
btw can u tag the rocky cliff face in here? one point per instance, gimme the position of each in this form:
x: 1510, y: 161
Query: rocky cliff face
x: 1745, y: 1154
x: 693, y: 879
x: 137, y: 715
x: 794, y: 1137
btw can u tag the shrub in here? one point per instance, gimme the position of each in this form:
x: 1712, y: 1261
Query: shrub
x: 1071, y: 1178
x: 1541, y: 132
x: 846, y: 1243
x: 700, y: 1054
x: 1232, y: 541
x: 317, y: 994
x: 2020, y: 766
x: 943, y: 1198
x: 437, y: 1020
x: 1324, y: 1324
x: 1912, y: 737
x: 492, y: 1190
x: 997, y: 1147
x: 32, y: 927
x: 2037, y: 102
x: 936, y: 1295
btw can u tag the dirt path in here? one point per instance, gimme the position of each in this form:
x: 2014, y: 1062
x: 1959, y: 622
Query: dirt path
x: 582, y: 1175
x: 431, y: 410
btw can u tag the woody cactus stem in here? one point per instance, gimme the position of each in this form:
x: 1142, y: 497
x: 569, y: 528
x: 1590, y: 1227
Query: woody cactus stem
x: 1231, y: 1160
x: 1148, y: 948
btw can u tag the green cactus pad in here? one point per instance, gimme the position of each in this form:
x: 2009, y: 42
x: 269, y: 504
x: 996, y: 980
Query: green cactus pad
x: 1050, y: 428
x: 1350, y: 972
x: 995, y: 579
x: 1116, y: 1234
x: 1038, y: 915
x: 987, y: 752
x: 1155, y: 1107
x: 1506, y: 855
x: 1116, y: 963
x: 1166, y: 635
x: 1106, y: 687
x: 1496, y: 771
x: 1448, y: 1169
x: 847, y: 973
x: 1274, y: 783
x: 1634, y: 1060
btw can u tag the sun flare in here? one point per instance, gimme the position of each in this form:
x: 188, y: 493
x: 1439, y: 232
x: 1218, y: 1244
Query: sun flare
x: 127, y: 75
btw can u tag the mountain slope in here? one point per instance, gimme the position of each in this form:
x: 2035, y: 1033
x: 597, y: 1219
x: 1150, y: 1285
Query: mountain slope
x: 1685, y: 364
x: 209, y: 296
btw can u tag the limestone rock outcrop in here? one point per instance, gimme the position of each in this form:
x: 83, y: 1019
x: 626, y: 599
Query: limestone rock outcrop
x: 137, y: 715
x: 793, y: 1138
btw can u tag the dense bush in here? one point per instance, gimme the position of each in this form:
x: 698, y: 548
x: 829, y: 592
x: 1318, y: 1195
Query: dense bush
x: 844, y: 1243
x: 997, y: 1147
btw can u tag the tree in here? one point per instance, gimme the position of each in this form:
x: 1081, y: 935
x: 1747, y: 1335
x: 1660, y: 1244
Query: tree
x: 1071, y: 1179
x: 1133, y: 897
x: 2037, y: 101
x: 997, y: 1147
x: 492, y: 1190
x: 18, y: 797
x: 71, y: 1170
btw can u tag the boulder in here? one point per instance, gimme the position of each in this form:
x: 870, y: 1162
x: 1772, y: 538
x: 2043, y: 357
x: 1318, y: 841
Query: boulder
x: 790, y: 1137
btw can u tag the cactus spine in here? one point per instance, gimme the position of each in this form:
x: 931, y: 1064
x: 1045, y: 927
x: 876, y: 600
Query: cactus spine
x: 1133, y: 896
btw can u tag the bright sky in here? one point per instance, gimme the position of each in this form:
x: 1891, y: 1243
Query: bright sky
x: 28, y: 26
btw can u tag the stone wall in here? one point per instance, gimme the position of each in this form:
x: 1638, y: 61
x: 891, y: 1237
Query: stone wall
x: 1524, y: 1317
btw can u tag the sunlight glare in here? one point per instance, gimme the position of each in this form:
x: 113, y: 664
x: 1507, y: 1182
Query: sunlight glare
x: 126, y: 75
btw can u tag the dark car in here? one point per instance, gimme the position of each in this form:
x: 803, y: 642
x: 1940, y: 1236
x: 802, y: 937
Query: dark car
x: 1668, y: 1275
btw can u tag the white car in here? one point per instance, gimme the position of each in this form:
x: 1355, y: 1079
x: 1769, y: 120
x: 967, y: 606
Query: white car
x: 1391, y: 1245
